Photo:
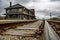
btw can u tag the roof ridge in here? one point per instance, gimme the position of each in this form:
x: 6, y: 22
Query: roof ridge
x: 15, y: 5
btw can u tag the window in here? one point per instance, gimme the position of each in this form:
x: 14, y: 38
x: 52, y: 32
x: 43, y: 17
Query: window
x: 8, y: 11
x: 20, y: 10
x: 14, y: 10
x: 29, y: 13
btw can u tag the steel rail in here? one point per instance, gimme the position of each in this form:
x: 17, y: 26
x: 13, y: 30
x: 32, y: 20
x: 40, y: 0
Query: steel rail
x: 50, y: 33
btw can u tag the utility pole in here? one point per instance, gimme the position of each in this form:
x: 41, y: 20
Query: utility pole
x: 50, y: 15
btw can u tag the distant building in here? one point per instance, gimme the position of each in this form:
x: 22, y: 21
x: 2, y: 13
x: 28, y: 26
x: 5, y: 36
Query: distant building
x: 18, y: 11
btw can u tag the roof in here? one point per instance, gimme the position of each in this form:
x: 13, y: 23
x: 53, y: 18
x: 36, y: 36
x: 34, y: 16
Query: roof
x: 15, y: 6
x: 18, y: 6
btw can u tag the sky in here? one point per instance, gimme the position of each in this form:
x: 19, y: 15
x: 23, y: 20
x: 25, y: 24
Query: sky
x: 43, y: 8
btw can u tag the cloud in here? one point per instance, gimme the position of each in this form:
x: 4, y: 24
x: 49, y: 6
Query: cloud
x: 55, y: 0
x: 4, y: 4
x: 35, y: 0
x: 22, y: 1
x: 42, y: 7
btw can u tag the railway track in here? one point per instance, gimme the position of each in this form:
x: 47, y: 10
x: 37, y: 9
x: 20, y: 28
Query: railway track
x: 10, y: 24
x: 31, y: 30
x: 50, y: 33
x: 23, y: 31
x: 56, y: 26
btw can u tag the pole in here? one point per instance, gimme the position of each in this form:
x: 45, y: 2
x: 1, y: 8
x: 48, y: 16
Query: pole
x: 50, y: 15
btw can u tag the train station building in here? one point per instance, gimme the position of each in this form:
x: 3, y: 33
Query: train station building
x: 18, y: 11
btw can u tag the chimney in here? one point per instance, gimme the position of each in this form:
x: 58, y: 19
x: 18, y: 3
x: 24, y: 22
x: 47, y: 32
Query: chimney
x: 10, y: 4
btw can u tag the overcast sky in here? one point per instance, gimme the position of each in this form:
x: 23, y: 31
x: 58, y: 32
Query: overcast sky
x: 42, y: 7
